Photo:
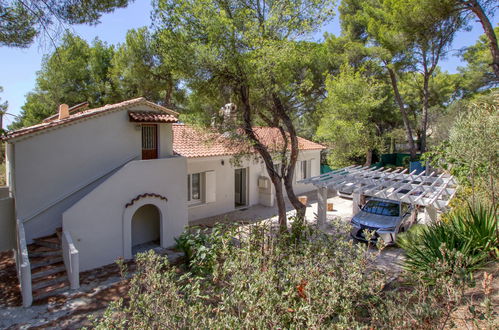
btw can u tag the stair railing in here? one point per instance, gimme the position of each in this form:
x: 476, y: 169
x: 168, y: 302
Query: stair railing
x: 23, y: 265
x: 71, y: 260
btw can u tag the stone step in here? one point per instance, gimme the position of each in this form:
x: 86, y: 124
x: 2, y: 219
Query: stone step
x: 48, y: 241
x: 50, y: 291
x: 48, y: 253
x: 52, y: 245
x: 50, y: 281
x: 48, y: 270
x: 44, y: 261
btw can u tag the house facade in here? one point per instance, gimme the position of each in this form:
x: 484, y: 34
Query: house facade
x: 102, y: 183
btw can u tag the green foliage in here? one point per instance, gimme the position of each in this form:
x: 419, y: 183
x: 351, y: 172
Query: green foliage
x: 463, y: 242
x: 97, y: 73
x: 22, y: 21
x: 349, y: 122
x: 77, y: 72
x: 201, y: 246
x: 140, y: 67
x: 477, y: 75
x: 261, y: 280
x: 472, y: 150
x: 264, y: 280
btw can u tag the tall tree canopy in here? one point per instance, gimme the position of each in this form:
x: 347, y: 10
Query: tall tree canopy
x: 246, y: 52
x: 141, y: 67
x: 21, y: 21
x: 354, y: 117
x: 478, y: 74
x: 76, y: 72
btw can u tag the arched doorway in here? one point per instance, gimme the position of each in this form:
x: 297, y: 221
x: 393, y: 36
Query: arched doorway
x: 146, y: 228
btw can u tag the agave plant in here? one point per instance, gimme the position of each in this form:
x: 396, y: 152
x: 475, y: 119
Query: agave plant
x: 467, y: 240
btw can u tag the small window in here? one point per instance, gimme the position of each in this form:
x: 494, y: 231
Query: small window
x: 305, y: 169
x: 194, y: 187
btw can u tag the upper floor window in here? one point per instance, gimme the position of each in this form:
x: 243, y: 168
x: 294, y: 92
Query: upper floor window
x: 149, y: 141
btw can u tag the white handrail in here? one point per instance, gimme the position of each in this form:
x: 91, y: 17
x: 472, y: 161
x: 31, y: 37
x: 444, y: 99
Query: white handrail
x: 71, y: 260
x: 23, y: 265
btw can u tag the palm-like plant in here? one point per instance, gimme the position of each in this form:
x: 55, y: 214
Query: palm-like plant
x: 467, y: 240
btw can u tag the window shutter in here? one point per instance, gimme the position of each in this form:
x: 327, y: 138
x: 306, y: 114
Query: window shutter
x: 210, y: 187
x: 313, y: 167
x: 297, y: 173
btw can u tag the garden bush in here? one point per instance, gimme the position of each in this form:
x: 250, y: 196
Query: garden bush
x: 262, y: 279
x: 466, y: 238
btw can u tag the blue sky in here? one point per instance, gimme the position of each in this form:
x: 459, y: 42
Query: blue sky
x: 18, y: 67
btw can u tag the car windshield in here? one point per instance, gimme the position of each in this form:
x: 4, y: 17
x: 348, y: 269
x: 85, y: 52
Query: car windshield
x: 381, y: 208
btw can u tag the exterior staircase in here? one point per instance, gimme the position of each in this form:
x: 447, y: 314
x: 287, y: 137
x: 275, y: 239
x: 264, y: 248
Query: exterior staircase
x: 48, y: 273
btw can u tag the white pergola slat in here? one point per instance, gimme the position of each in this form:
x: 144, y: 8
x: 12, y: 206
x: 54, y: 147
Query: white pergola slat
x: 420, y: 189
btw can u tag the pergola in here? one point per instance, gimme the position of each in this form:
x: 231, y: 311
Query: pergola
x: 433, y: 191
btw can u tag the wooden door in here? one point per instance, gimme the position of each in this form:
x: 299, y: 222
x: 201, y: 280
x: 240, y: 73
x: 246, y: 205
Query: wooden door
x: 149, y: 141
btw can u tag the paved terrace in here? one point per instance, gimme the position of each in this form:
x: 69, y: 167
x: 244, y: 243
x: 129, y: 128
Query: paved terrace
x: 389, y: 259
x: 342, y: 208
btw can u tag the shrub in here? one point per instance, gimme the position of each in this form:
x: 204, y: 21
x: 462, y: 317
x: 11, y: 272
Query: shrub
x: 200, y: 246
x: 263, y: 280
x: 465, y: 239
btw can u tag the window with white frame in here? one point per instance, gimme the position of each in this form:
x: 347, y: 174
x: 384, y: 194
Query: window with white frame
x: 201, y: 187
x: 194, y: 187
x: 305, y: 169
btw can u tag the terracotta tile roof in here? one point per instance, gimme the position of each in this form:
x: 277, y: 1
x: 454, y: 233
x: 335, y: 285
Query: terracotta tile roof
x: 83, y: 115
x: 272, y: 138
x: 151, y: 117
x: 71, y: 111
x: 192, y: 142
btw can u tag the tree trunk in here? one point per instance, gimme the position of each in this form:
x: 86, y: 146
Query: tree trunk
x: 266, y: 156
x: 288, y: 178
x: 369, y: 157
x: 475, y: 7
x: 424, y: 122
x: 405, y: 117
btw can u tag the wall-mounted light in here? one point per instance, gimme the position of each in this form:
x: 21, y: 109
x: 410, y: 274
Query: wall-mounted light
x: 222, y: 162
x: 138, y: 127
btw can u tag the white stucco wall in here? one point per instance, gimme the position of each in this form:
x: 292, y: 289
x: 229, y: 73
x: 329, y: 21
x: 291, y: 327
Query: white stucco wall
x: 58, y: 162
x: 315, y: 156
x: 224, y: 175
x: 225, y: 181
x: 96, y: 222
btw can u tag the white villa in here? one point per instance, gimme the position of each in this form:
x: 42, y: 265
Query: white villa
x: 85, y: 188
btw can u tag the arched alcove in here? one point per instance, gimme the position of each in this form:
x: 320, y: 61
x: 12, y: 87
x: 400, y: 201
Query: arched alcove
x: 144, y: 223
x: 146, y: 228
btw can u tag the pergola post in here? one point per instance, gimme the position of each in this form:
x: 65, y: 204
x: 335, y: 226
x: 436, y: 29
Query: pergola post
x: 321, y: 206
x: 430, y: 214
x: 355, y: 203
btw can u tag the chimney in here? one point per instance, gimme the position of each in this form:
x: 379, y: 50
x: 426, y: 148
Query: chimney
x: 63, y: 111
